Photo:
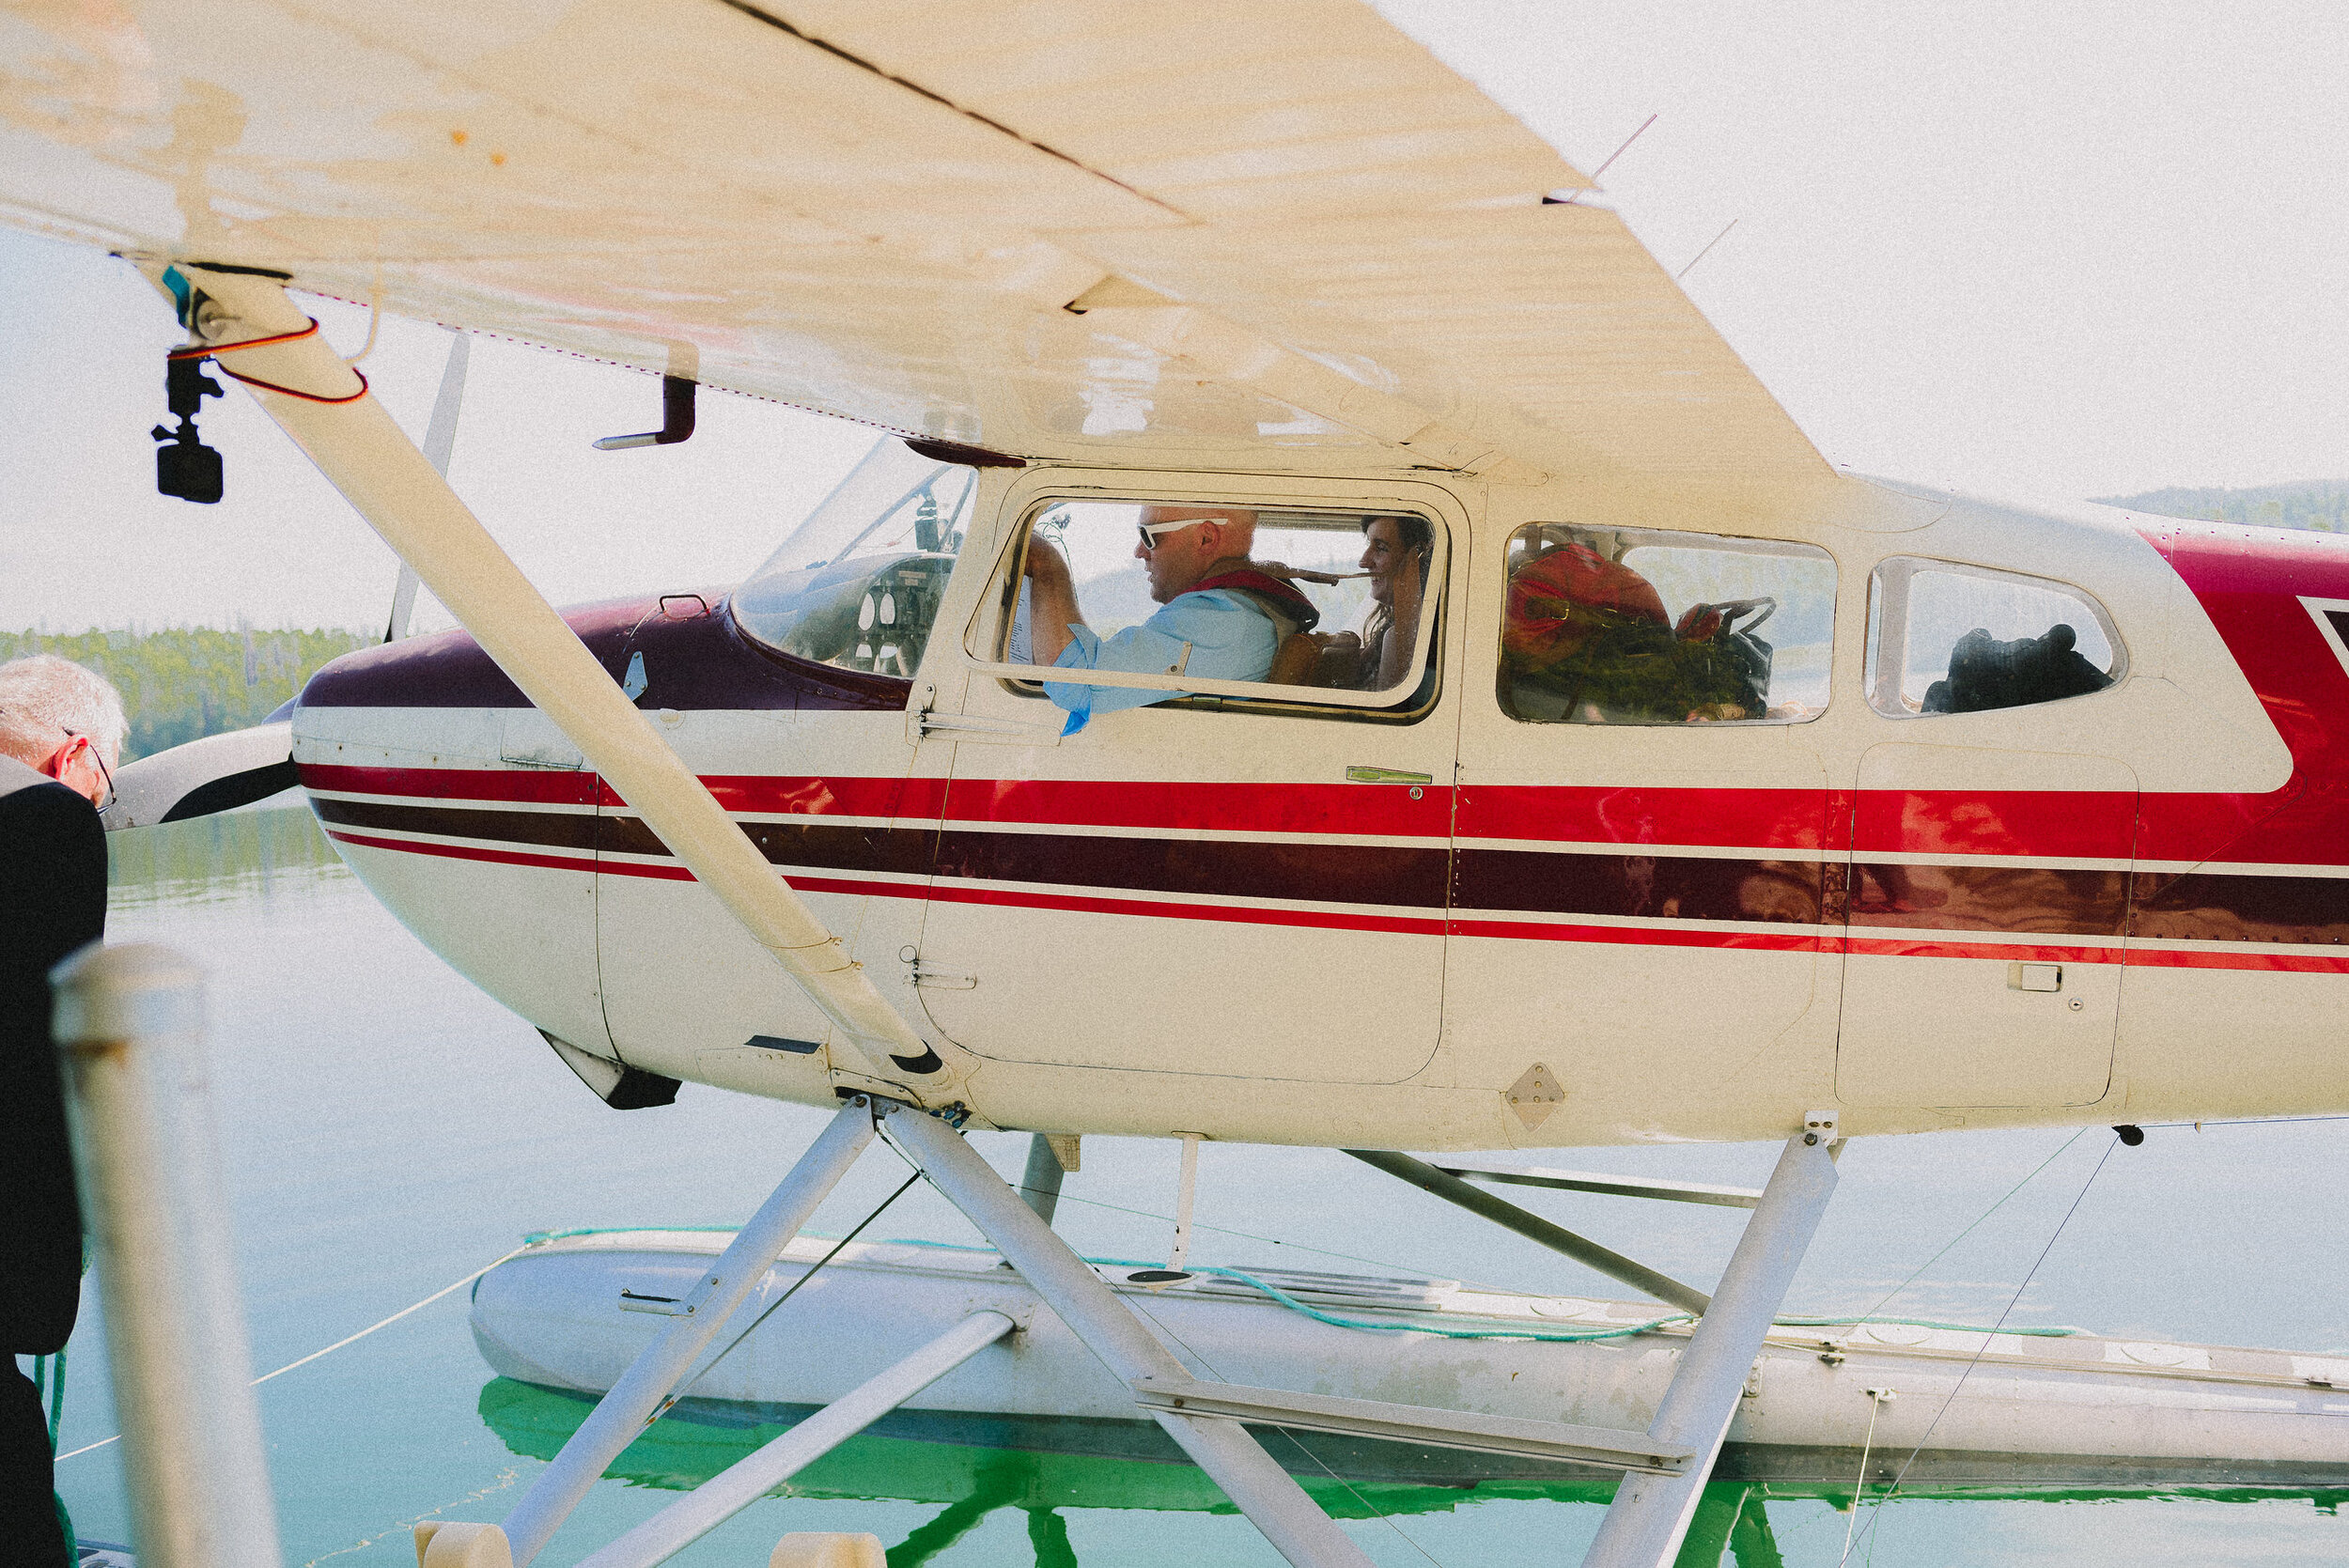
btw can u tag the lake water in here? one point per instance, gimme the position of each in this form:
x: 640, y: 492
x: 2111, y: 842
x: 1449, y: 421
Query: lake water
x: 388, y: 1130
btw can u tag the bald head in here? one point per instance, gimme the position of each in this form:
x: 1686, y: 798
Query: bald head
x: 1179, y: 556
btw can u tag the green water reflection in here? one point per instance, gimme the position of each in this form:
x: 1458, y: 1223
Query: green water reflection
x: 952, y: 1462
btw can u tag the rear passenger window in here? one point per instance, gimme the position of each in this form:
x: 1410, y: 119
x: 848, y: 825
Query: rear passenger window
x: 1637, y: 626
x: 1948, y: 638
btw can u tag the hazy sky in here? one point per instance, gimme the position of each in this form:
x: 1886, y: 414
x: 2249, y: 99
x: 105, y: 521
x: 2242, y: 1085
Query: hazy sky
x: 2047, y: 249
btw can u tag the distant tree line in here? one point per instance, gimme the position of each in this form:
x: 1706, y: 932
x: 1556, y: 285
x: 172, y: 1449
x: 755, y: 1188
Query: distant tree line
x: 2321, y: 506
x: 189, y: 682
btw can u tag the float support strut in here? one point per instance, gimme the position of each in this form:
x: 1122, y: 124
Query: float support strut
x: 1270, y: 1496
x: 1589, y: 1253
x: 743, y: 1483
x: 1651, y: 1513
x: 635, y: 1399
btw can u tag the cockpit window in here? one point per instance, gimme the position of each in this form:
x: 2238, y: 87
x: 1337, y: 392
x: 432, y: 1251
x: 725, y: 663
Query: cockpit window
x: 1637, y: 625
x: 1106, y: 605
x: 1948, y: 638
x: 857, y: 584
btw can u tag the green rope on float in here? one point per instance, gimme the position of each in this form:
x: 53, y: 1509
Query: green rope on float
x: 1561, y: 1336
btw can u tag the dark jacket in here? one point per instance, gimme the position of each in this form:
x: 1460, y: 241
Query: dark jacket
x: 53, y: 900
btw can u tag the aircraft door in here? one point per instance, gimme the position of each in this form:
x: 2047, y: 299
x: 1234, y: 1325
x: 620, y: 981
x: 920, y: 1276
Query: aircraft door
x: 1987, y: 894
x: 1247, y: 882
x: 1642, y: 826
x: 1987, y: 889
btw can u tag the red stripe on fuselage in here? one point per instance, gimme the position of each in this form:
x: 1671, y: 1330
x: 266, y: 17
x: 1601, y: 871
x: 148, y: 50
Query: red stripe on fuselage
x: 543, y: 786
x: 2045, y: 824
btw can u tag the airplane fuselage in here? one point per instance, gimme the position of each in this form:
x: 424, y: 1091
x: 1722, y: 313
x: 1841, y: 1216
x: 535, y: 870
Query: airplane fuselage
x: 2123, y: 906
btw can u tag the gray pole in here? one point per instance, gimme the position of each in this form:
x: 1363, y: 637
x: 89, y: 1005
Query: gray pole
x: 130, y: 1027
x: 1590, y: 1254
x: 1270, y: 1498
x: 1650, y: 1515
x: 440, y: 440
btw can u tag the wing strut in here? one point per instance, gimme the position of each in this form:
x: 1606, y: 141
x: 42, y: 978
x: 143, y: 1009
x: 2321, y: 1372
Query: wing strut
x: 322, y: 403
x: 1651, y: 1513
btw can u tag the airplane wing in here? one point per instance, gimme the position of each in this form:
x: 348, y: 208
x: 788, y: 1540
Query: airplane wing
x: 1271, y: 234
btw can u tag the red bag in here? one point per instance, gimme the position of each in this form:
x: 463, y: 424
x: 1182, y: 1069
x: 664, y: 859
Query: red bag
x: 1552, y: 600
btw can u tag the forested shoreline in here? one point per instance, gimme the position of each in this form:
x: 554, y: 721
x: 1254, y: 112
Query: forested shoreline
x: 187, y: 682
x: 2320, y: 506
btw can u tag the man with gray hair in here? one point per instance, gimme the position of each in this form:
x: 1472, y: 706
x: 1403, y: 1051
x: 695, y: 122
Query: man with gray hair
x: 61, y: 730
x: 62, y: 721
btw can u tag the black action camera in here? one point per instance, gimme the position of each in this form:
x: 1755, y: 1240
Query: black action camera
x: 184, y: 466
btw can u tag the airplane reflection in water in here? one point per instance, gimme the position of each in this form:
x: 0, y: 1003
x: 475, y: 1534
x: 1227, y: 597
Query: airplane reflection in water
x: 974, y: 1465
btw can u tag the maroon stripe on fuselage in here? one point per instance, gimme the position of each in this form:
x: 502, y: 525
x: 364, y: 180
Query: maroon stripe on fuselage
x: 1645, y: 886
x: 1645, y: 936
x: 2024, y: 899
x: 555, y: 830
x: 1206, y: 868
x: 829, y: 846
x: 2210, y: 908
x: 1884, y: 897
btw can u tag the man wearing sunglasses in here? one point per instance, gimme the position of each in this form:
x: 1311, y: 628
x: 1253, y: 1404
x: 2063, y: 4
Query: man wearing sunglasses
x: 1220, y: 617
x: 61, y: 730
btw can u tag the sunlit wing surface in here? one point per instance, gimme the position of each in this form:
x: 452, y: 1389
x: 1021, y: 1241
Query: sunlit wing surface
x: 1292, y: 238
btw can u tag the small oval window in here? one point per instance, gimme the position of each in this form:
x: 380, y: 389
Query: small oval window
x: 1944, y: 637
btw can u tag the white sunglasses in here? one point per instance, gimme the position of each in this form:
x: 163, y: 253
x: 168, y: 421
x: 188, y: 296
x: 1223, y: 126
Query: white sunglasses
x: 1150, y: 531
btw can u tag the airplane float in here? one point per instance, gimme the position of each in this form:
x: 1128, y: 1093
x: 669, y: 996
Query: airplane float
x: 1668, y: 784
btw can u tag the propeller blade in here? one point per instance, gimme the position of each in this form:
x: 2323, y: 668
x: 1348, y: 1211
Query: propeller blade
x: 217, y: 774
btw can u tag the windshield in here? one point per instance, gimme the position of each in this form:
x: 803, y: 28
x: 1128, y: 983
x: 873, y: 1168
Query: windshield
x: 857, y: 584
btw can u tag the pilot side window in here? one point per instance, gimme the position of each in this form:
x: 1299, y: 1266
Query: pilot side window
x: 1104, y: 605
x: 858, y: 583
x: 1949, y: 638
x: 1637, y: 625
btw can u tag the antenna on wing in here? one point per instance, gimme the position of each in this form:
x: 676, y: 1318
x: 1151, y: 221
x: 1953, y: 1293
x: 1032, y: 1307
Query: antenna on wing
x: 1707, y: 251
x: 1569, y: 201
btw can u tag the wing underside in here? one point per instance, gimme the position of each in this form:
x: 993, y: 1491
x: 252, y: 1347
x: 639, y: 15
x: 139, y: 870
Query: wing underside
x: 1266, y: 235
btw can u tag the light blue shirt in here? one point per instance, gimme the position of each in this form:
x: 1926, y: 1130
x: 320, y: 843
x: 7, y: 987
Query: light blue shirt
x: 1219, y: 634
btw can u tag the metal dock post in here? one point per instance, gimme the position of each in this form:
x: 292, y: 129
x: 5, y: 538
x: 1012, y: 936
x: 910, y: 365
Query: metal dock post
x: 130, y: 1027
